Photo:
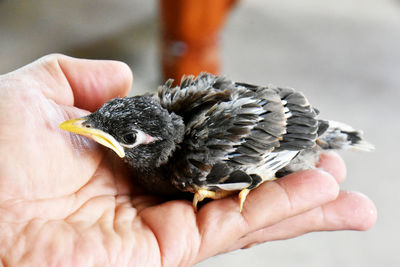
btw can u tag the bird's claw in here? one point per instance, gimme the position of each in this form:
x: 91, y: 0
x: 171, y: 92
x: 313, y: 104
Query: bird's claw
x: 242, y: 197
x: 201, y: 194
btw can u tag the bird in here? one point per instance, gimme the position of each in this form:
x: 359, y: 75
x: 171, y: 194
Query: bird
x: 211, y: 137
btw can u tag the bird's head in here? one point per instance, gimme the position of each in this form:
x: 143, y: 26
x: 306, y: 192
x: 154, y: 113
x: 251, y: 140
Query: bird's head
x: 137, y: 128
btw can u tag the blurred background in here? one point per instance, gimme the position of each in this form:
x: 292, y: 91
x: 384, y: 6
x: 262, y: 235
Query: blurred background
x: 344, y: 55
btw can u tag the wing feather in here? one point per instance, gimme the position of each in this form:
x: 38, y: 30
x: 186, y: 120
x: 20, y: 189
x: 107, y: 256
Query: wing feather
x: 234, y: 130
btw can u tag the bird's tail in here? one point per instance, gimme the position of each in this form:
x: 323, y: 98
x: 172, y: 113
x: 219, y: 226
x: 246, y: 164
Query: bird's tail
x: 337, y: 135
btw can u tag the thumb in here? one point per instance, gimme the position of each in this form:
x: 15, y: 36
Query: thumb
x: 82, y: 83
x: 93, y: 82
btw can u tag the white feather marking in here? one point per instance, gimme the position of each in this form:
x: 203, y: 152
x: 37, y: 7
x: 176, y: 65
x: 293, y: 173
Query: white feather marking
x: 231, y: 186
x: 288, y: 115
x: 272, y: 163
x: 362, y: 146
x: 342, y: 126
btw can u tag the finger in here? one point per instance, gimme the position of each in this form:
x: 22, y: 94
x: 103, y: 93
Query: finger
x: 350, y: 211
x: 332, y: 163
x: 84, y: 83
x: 221, y: 223
x: 93, y: 82
x: 173, y: 227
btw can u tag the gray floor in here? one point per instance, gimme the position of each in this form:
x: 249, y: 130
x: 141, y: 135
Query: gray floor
x: 345, y: 55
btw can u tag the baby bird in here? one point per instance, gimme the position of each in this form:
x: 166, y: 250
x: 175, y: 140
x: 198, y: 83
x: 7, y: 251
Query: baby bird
x: 213, y: 137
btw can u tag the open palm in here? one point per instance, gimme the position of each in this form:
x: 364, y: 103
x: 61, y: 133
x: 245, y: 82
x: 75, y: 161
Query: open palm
x: 66, y: 201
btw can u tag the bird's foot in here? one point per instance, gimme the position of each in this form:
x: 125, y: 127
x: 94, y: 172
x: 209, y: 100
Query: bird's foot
x: 201, y: 194
x: 242, y: 197
x: 245, y: 191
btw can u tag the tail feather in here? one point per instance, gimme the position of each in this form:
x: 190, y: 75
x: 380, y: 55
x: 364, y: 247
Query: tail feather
x: 342, y: 136
x: 362, y: 146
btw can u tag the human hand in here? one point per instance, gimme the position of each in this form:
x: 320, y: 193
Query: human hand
x: 65, y: 200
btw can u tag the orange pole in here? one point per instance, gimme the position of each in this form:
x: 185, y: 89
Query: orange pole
x: 190, y: 40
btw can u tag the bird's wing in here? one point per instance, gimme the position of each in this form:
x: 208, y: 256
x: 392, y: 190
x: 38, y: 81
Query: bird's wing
x: 301, y: 131
x: 284, y: 107
x: 222, y: 141
x: 302, y: 127
x: 194, y: 95
x: 237, y: 130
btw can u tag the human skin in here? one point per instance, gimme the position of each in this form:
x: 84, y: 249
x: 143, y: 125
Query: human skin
x: 67, y: 201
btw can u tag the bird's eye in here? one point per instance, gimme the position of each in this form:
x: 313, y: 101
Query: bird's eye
x: 129, y: 138
x: 136, y: 138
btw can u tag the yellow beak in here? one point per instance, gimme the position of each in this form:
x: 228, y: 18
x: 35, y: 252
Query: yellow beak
x: 78, y: 126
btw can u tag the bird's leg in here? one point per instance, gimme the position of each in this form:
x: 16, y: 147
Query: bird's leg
x: 242, y: 197
x: 201, y: 194
x: 245, y: 191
